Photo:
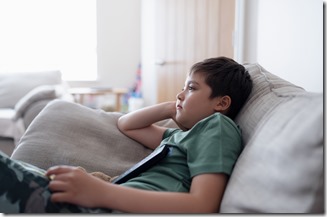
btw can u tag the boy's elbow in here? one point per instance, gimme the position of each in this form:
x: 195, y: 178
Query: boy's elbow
x: 121, y: 124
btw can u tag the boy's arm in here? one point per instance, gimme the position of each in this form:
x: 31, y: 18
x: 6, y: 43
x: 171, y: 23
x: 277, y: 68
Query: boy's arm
x: 72, y: 185
x: 205, y: 196
x: 139, y: 125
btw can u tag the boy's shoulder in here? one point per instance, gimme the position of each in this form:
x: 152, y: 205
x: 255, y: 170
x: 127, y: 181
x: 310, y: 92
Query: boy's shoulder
x: 212, y: 130
x: 214, y: 121
x: 217, y: 119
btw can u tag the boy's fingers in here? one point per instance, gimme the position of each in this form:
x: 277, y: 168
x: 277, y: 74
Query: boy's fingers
x: 59, y: 197
x: 55, y: 170
x: 58, y: 186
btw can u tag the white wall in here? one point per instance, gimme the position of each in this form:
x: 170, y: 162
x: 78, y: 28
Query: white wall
x: 286, y: 38
x: 148, y: 52
x: 118, y: 48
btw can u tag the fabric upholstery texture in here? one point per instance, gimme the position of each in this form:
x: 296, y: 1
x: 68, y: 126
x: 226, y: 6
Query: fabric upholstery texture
x: 267, y: 93
x: 42, y: 92
x: 281, y: 167
x: 71, y: 134
x: 33, y: 110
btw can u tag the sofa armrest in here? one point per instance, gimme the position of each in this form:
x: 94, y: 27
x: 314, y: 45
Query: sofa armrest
x: 33, y: 110
x: 43, y: 92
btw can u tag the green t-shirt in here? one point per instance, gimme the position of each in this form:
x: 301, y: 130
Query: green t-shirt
x: 211, y: 146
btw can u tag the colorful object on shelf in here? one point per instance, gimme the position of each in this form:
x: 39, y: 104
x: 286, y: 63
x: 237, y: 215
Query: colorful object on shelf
x: 135, y: 98
x: 137, y: 90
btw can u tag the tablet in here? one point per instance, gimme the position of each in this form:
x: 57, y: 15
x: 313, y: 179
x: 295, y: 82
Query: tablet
x: 151, y: 160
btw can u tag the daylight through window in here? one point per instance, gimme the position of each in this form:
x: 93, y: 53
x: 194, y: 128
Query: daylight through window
x: 39, y: 35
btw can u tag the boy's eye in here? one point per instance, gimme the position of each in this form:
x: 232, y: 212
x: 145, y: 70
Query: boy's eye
x: 190, y: 88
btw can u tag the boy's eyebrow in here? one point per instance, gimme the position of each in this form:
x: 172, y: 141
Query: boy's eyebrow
x: 192, y: 82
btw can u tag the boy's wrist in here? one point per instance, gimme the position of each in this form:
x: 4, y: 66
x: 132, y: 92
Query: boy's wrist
x: 170, y: 109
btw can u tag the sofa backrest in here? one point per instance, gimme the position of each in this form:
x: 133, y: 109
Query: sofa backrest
x: 13, y: 86
x: 267, y: 93
x: 281, y: 167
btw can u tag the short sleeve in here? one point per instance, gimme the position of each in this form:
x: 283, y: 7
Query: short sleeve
x: 216, y: 147
x: 169, y: 132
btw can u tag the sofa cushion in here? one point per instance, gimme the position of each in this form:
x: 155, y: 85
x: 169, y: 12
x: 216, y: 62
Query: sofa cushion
x: 281, y: 167
x: 71, y: 134
x: 14, y: 86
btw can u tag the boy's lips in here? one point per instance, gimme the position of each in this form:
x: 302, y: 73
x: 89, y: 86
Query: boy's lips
x: 179, y: 107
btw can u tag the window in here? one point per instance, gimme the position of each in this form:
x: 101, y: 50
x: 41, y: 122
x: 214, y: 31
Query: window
x: 38, y: 35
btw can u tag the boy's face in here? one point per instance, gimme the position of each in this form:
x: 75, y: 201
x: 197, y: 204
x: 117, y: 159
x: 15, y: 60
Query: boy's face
x: 193, y: 102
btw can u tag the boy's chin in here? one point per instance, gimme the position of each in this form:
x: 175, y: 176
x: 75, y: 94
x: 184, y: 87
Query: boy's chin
x: 181, y: 124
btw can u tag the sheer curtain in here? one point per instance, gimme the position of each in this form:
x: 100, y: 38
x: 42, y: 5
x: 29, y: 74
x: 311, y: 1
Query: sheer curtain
x: 38, y: 35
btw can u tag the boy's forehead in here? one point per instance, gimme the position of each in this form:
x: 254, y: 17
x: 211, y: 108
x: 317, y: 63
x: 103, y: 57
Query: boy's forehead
x: 195, y: 77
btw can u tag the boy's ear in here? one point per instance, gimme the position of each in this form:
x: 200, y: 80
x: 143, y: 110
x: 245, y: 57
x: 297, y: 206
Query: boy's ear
x: 223, y: 103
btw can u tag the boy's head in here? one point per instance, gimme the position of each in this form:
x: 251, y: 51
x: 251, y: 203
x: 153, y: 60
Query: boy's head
x: 226, y: 77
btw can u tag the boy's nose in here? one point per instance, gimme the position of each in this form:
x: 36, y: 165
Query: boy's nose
x: 179, y: 96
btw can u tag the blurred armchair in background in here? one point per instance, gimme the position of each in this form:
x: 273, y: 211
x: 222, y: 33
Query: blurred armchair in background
x: 23, y: 96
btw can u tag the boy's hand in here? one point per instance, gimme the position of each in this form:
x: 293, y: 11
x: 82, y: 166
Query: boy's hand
x: 173, y: 116
x: 99, y: 175
x: 73, y: 185
x: 140, y: 124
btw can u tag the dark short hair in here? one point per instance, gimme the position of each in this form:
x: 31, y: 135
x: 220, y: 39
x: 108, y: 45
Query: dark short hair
x: 226, y: 77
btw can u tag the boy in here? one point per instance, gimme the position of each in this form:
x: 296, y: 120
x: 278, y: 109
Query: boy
x: 192, y: 178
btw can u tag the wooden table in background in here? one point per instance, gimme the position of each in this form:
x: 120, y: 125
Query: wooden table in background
x: 79, y: 93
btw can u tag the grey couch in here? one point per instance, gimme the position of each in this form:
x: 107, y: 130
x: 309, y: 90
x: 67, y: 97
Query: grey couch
x: 22, y: 97
x: 281, y: 169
